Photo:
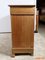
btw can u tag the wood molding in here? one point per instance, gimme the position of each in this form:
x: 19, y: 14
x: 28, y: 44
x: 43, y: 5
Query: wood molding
x: 21, y: 5
x: 23, y: 14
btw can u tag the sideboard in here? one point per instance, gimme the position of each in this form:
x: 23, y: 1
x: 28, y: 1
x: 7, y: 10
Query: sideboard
x: 22, y: 24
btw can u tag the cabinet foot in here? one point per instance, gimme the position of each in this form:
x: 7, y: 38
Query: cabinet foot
x: 13, y: 55
x: 31, y: 53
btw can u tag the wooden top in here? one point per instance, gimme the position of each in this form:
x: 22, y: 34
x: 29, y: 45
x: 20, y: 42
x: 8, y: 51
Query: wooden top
x: 22, y: 5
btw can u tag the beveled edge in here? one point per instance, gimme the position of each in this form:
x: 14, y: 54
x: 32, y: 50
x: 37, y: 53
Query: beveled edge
x: 21, y: 5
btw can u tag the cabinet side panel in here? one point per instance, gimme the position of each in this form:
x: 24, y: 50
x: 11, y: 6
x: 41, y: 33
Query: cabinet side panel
x: 22, y: 31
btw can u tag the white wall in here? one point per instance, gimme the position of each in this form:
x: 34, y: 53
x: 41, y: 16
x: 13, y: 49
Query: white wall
x: 23, y: 2
x: 5, y: 25
x: 4, y: 16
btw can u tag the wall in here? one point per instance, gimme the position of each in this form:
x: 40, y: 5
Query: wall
x: 5, y: 25
x: 4, y: 16
x: 23, y: 2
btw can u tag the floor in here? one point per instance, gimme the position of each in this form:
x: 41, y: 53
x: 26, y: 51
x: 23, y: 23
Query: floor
x: 39, y: 46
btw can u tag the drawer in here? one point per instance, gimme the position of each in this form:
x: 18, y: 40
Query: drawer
x: 20, y: 10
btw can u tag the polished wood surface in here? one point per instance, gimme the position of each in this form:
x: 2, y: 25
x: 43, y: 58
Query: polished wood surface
x: 37, y: 22
x: 22, y: 28
x: 22, y: 22
x: 20, y: 10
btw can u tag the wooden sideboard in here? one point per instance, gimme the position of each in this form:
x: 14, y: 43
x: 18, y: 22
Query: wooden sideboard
x: 22, y: 22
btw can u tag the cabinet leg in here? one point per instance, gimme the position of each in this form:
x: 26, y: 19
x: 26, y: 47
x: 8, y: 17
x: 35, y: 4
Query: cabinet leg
x: 31, y: 53
x: 13, y: 55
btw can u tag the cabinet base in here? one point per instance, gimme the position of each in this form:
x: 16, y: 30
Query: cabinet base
x: 22, y: 52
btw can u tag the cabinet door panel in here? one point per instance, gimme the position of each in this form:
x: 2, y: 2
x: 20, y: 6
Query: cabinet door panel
x: 22, y: 31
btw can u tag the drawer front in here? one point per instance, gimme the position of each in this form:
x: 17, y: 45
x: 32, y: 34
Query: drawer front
x: 20, y: 10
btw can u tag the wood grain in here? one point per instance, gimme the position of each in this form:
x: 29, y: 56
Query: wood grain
x: 24, y: 10
x: 22, y: 28
x: 37, y: 22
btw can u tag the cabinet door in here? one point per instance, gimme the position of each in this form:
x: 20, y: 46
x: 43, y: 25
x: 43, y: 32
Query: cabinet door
x: 22, y: 31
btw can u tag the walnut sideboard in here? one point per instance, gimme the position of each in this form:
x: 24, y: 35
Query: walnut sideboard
x: 22, y: 22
